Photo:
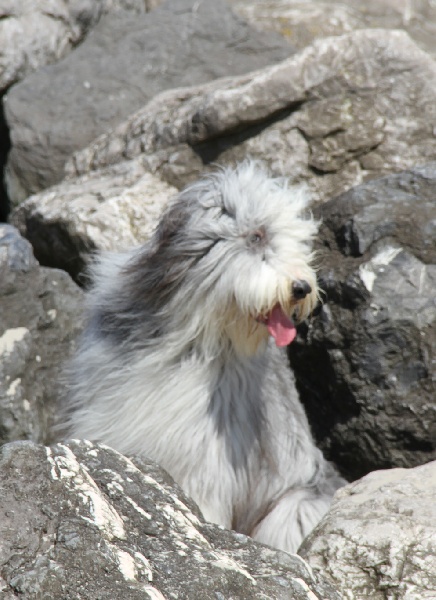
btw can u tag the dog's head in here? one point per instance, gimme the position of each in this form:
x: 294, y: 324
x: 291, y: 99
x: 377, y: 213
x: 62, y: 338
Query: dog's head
x: 236, y: 247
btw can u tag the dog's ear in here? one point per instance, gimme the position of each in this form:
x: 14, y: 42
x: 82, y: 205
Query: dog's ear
x: 171, y: 226
x: 156, y: 272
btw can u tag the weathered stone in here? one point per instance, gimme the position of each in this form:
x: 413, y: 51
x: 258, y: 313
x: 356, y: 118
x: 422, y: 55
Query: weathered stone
x: 82, y: 521
x: 378, y: 540
x: 302, y: 22
x: 328, y: 116
x: 109, y: 210
x: 34, y: 33
x: 39, y: 319
x: 123, y: 62
x: 366, y: 367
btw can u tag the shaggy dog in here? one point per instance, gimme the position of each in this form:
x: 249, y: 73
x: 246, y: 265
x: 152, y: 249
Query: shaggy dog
x: 181, y: 358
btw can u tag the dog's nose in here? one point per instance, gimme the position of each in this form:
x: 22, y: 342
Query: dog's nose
x: 300, y: 289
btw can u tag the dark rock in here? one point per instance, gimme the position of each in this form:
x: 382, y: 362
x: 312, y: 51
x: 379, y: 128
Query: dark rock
x: 81, y: 521
x: 365, y: 366
x: 123, y: 62
x: 39, y: 319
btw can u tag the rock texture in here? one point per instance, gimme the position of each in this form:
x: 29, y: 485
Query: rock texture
x: 34, y: 33
x: 378, y: 540
x: 366, y: 366
x: 39, y: 319
x: 110, y: 210
x: 302, y: 22
x: 82, y: 521
x: 123, y: 62
x: 328, y: 117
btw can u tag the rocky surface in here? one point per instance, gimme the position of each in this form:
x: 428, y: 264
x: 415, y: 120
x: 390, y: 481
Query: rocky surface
x: 327, y: 117
x: 34, y: 33
x: 82, y: 521
x: 39, y: 319
x: 124, y: 62
x: 110, y: 210
x: 378, y: 540
x: 366, y: 365
x: 303, y: 21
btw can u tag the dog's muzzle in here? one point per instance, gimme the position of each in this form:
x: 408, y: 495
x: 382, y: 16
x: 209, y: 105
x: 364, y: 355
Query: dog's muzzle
x: 300, y: 289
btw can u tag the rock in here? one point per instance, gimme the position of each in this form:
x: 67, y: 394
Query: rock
x: 123, y: 62
x: 39, y: 319
x: 302, y: 22
x: 379, y: 538
x: 109, y: 210
x: 79, y: 520
x: 33, y: 34
x: 366, y: 365
x: 327, y: 116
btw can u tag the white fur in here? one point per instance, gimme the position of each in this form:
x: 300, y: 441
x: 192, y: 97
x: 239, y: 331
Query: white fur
x: 175, y: 365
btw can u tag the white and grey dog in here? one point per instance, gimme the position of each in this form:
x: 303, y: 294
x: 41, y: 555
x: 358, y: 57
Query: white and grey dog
x: 180, y: 359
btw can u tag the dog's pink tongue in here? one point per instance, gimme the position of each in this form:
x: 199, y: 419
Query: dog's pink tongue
x: 281, y: 327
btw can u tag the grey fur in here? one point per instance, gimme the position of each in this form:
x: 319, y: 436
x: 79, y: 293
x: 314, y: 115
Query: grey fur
x: 176, y: 362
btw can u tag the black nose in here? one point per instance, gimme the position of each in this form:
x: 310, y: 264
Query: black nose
x: 300, y: 289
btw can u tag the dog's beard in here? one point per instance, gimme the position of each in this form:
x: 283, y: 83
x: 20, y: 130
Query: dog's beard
x: 249, y: 332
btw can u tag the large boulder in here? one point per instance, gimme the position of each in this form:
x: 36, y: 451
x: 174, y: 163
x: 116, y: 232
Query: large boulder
x: 124, y: 61
x: 378, y: 540
x: 39, y: 319
x: 365, y: 366
x: 79, y: 520
x: 327, y: 117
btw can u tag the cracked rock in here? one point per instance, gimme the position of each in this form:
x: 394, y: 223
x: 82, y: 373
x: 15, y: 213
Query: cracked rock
x: 82, y: 521
x: 378, y: 539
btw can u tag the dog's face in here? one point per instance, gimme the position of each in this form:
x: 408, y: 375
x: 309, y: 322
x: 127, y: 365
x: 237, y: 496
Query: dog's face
x: 236, y: 247
x: 264, y: 247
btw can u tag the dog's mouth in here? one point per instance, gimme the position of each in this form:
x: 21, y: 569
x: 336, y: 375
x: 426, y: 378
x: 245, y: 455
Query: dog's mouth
x: 279, y: 325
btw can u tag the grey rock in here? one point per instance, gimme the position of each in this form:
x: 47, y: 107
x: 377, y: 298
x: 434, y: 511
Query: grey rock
x: 378, y: 540
x: 82, y: 521
x: 302, y: 22
x: 39, y: 319
x: 34, y: 33
x: 123, y: 63
x: 328, y: 116
x: 110, y: 210
x: 366, y: 365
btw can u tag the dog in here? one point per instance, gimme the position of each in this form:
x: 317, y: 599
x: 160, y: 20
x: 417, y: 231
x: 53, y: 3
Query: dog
x: 183, y: 355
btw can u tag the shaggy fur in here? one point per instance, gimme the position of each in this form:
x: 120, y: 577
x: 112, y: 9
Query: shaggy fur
x: 177, y: 363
